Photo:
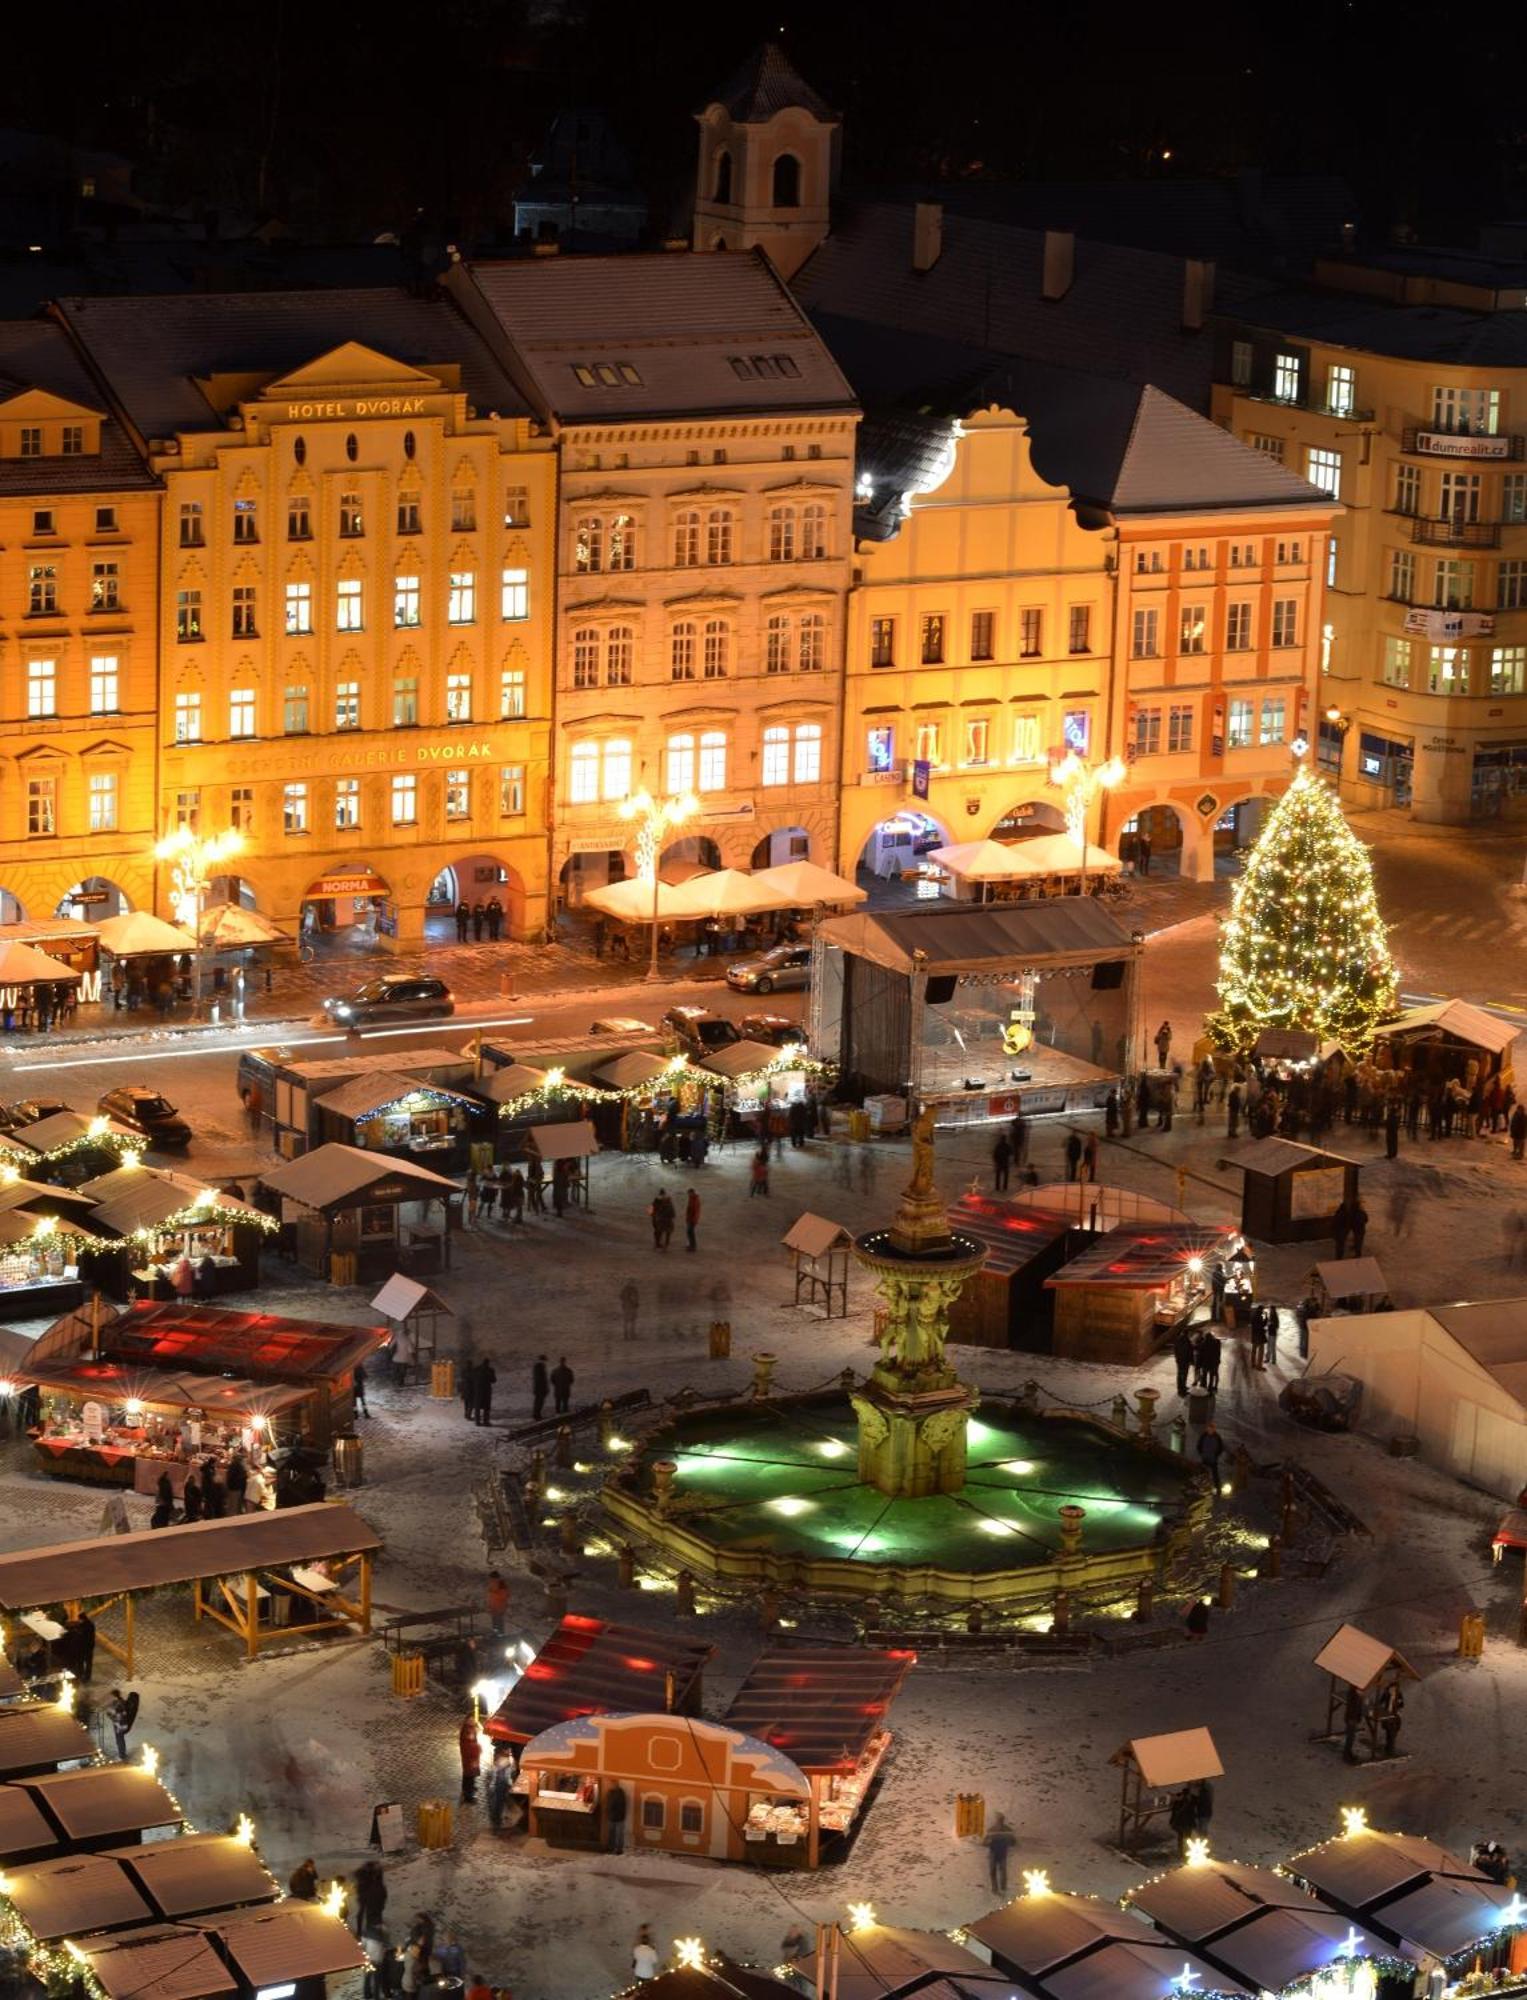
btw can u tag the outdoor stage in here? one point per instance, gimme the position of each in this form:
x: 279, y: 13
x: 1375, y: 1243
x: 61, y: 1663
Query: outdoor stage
x: 1038, y: 1081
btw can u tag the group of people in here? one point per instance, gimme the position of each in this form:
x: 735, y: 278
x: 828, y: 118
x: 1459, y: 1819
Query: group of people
x: 556, y: 1382
x: 1190, y: 1812
x: 511, y: 1190
x: 210, y: 1492
x: 1384, y: 1711
x: 663, y: 1216
x: 1197, y: 1352
x: 479, y: 917
x: 477, y: 1380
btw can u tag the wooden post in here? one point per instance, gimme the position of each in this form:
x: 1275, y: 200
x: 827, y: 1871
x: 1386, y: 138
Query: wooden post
x: 564, y: 1454
x: 252, y: 1614
x: 365, y: 1593
x: 1226, y: 1587
x: 1145, y: 1600
x: 627, y: 1566
x: 196, y: 1598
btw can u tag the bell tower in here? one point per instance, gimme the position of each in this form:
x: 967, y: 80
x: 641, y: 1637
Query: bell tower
x: 768, y: 163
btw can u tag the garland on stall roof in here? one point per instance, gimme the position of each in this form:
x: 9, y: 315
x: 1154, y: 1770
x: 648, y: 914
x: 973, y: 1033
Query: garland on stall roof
x: 563, y: 1091
x: 207, y: 1216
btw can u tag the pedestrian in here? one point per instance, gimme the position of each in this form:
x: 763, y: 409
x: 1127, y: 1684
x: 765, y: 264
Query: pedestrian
x: 1163, y: 1044
x: 1142, y: 853
x: 450, y: 1959
x: 1258, y: 1339
x: 1517, y: 1129
x: 1392, y: 1129
x: 482, y: 1402
x: 1182, y: 1818
x: 1218, y: 1280
x: 758, y: 1173
x: 630, y: 1302
x: 999, y: 1844
x: 1182, y: 1354
x: 1213, y: 1352
x: 1111, y: 1112
x: 560, y: 1182
x: 487, y: 1195
x: 1073, y: 1155
x: 514, y: 1195
x: 463, y: 918
x: 615, y: 1818
x: 238, y: 1482
x: 1353, y: 1716
x: 540, y: 1388
x: 1270, y: 1332
x: 303, y: 1881
x: 1341, y: 1228
x: 1211, y: 1449
x: 497, y: 1598
x: 1233, y: 1111
x: 1001, y: 1162
x: 370, y: 1898
x: 214, y: 1493
x: 1018, y: 1132
x: 562, y: 1387
x: 415, y: 1969
x: 1090, y: 1158
x: 469, y: 1391
x: 192, y: 1505
x: 644, y: 1959
x: 357, y: 1389
x: 659, y: 1214
x: 479, y: 918
x: 495, y: 919
x: 1197, y: 1619
x: 500, y: 1781
x: 473, y: 1198
x: 691, y: 1219
x: 1391, y: 1713
x: 470, y: 1745
x: 535, y: 1185
x: 1359, y: 1226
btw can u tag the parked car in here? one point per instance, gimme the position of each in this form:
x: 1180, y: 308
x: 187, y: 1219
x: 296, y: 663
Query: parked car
x: 771, y: 1028
x: 700, y: 1032
x: 620, y: 1024
x: 395, y: 996
x: 29, y: 1111
x: 772, y: 971
x: 147, y: 1111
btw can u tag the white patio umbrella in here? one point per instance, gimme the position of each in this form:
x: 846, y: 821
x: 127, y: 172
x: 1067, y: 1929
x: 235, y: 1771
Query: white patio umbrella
x: 726, y: 892
x: 983, y: 860
x: 140, y: 932
x: 631, y: 901
x: 1059, y: 854
x: 25, y: 965
x: 230, y: 927
x: 803, y: 883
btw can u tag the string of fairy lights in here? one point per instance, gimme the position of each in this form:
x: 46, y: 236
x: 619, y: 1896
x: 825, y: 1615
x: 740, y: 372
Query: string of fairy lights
x: 558, y: 1088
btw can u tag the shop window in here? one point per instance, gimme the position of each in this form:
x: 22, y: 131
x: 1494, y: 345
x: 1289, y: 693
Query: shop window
x: 654, y: 1813
x: 691, y: 1816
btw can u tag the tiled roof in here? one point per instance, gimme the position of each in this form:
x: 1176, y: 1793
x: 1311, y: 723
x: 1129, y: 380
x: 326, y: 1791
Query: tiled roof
x: 1377, y: 326
x: 1121, y: 316
x: 679, y: 322
x: 38, y: 354
x: 152, y: 350
x: 768, y: 82
x: 1178, y: 460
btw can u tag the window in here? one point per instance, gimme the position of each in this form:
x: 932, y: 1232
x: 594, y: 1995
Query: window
x: 787, y: 194
x: 583, y: 774
x: 1195, y: 623
x: 1239, y: 734
x: 1179, y: 728
x: 352, y: 520
x: 458, y: 697
x: 933, y: 639
x: 1460, y: 496
x: 1508, y: 669
x: 1028, y: 747
x: 517, y: 507
x: 1240, y: 363
x: 1146, y: 642
x: 1243, y: 555
x: 1513, y: 497
x: 1287, y: 370
x: 405, y: 600
x: 1323, y: 469
x: 686, y: 540
x: 616, y: 771
x: 104, y: 691
x: 776, y: 755
x: 31, y: 441
x: 1341, y: 389
x: 514, y: 594
x: 927, y: 744
x: 299, y: 609
x: 1473, y: 412
x: 511, y: 791
x: 511, y: 694
x: 812, y: 650
x: 187, y: 616
x: 622, y: 548
x: 813, y: 532
x: 1511, y: 584
x: 1453, y: 585
x: 1274, y: 719
x: 241, y: 712
x: 463, y: 511
x: 458, y: 794
x: 44, y: 521
x: 42, y: 808
x: 462, y: 603
x: 1147, y: 731
x: 691, y: 1817
x: 983, y: 634
x: 1290, y: 552
x: 1402, y: 575
x: 105, y: 587
x: 1396, y: 664
x: 1238, y: 626
x: 405, y: 701
x: 42, y: 687
x: 187, y: 811
x: 619, y: 649
x: 654, y: 1812
x: 1333, y: 547
x: 299, y: 522
x: 1079, y: 628
x: 347, y: 704
x: 586, y: 657
x: 1031, y: 634
x: 244, y: 623
x: 681, y: 653
x: 1270, y: 447
x: 405, y: 798
x: 808, y: 753
x: 101, y: 796
x: 1195, y: 558
x: 294, y: 711
x: 188, y: 716
x: 1076, y: 730
x: 777, y: 644
x: 718, y: 535
x: 1285, y: 621
x: 349, y: 609
x: 190, y: 524
x: 723, y: 180
x: 1447, y: 670
x: 977, y: 739
x: 246, y: 521
x: 782, y: 534
x: 42, y: 589
x: 717, y: 646
x: 347, y: 803
x: 880, y: 748
x: 680, y: 771
x: 408, y: 513
x: 882, y: 642
x: 1407, y: 489
x: 241, y: 808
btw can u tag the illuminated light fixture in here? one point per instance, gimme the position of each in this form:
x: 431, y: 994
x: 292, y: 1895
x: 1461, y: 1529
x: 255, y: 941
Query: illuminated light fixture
x: 555, y: 1078
x: 688, y: 1954
x: 243, y: 1833
x: 74, y: 1951
x: 1514, y: 1913
x: 9, y: 1175
x: 46, y: 1224
x: 555, y: 1493
x: 1021, y: 1466
x: 1351, y: 1944
x: 1196, y: 1265
x: 832, y: 1448
x: 334, y: 1898
x: 130, y: 1158
x: 1197, y: 1852
x: 1186, y: 1980
x: 861, y: 1916
x: 148, y: 1760
x: 133, y: 1407
x: 789, y: 1504
x: 99, y: 1127
x: 989, y: 1527
x: 1354, y: 1819
x: 66, y: 1693
x: 1036, y: 1881
x: 618, y: 1444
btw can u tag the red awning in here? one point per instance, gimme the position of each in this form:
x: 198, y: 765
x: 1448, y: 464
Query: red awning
x: 589, y: 1667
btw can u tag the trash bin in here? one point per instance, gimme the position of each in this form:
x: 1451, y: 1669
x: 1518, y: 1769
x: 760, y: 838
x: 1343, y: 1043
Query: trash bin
x: 408, y: 1673
x: 442, y: 1380
x: 349, y: 1460
x: 858, y: 1126
x: 434, y: 1823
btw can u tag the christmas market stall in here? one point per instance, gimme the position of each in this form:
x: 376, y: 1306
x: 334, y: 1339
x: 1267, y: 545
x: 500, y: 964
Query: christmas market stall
x: 1006, y: 1304
x: 1052, y: 1943
x: 1447, y: 1042
x: 357, y: 1216
x: 170, y: 1236
x: 1128, y: 1290
x: 1365, y: 1680
x: 46, y: 1248
x: 821, y: 1249
x: 279, y: 1090
x: 67, y: 1147
x: 404, y: 1116
x: 101, y: 1806
x: 869, y: 1960
x: 759, y: 1081
x: 1153, y: 1771
x: 39, y: 1737
x: 35, y: 988
x: 566, y: 1149
x: 1290, y: 1193
x: 290, y: 1943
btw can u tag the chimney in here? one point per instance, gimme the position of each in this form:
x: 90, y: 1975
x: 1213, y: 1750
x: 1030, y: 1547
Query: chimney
x: 1197, y: 292
x: 927, y: 234
x: 1060, y: 262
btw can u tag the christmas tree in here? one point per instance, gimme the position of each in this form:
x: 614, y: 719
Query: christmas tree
x: 1304, y: 945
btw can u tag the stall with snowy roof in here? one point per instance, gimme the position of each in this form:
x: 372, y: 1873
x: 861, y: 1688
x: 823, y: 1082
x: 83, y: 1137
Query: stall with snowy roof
x: 1129, y: 1288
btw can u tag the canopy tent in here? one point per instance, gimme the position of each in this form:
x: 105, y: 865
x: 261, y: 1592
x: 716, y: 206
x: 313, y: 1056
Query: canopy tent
x: 140, y: 934
x: 631, y: 901
x: 983, y: 860
x: 413, y: 1311
x: 1059, y: 854
x: 739, y: 1059
x: 805, y: 885
x: 230, y: 927
x: 25, y: 965
x: 1074, y: 930
x: 1357, y: 1659
x: 725, y: 892
x: 1454, y: 1019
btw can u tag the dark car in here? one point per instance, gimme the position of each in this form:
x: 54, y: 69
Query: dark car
x: 395, y: 996
x: 771, y: 1028
x: 699, y: 1032
x: 147, y: 1111
x: 784, y: 965
x: 29, y: 1111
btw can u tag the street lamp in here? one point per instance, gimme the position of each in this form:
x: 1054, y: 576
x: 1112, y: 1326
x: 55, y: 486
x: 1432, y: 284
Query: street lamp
x: 1079, y: 783
x: 194, y: 860
x: 655, y: 817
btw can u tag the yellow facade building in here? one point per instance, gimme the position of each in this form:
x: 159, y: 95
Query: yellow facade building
x: 79, y: 562
x: 1399, y: 384
x: 356, y: 608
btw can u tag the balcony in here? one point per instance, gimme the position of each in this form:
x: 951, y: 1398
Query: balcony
x: 1312, y: 406
x: 1447, y: 534
x: 1434, y: 443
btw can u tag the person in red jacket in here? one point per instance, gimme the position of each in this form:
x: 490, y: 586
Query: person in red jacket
x: 471, y: 1759
x: 498, y: 1602
x: 691, y: 1220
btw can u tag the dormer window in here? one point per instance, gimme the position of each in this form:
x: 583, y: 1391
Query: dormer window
x: 606, y: 375
x: 31, y: 440
x: 42, y: 521
x: 106, y: 520
x: 73, y: 442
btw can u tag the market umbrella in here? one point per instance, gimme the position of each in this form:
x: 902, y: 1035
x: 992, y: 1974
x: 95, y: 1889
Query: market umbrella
x: 140, y: 933
x: 631, y: 901
x: 25, y: 965
x: 230, y: 927
x: 981, y: 861
x: 726, y: 892
x: 803, y: 883
x: 1059, y: 854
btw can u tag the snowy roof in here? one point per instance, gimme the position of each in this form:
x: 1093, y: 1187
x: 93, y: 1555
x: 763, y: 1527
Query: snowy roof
x: 883, y: 1959
x: 35, y: 1735
x: 402, y: 1295
x: 1494, y: 1336
x: 1032, y: 1934
x: 1352, y: 1277
x: 1201, y: 1898
x: 198, y: 1872
x: 1358, y: 1658
x: 363, y: 1095
x: 74, y: 1894
x: 635, y: 1067
x: 1357, y: 1870
x: 1278, y: 1948
x: 820, y: 1704
x: 335, y: 1176
x: 814, y: 1235
x: 288, y: 1941
x: 1444, y: 1915
x: 23, y: 1830
x: 572, y: 1140
x: 1132, y: 1971
x: 974, y: 937
x: 1280, y: 1156
x: 166, y: 1963
x: 1180, y: 1757
x: 105, y: 1800
x: 743, y: 1058
x: 1458, y: 1019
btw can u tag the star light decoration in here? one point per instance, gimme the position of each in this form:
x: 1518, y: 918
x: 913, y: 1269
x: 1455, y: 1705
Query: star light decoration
x: 1304, y: 946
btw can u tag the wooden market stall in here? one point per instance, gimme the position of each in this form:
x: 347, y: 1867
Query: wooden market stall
x: 1447, y: 1041
x: 71, y: 1146
x: 38, y: 1737
x: 1152, y: 1769
x: 1129, y: 1289
x: 566, y: 1149
x: 1006, y: 1304
x: 1048, y: 1940
x: 406, y: 1117
x: 413, y: 1313
x: 358, y: 1216
x: 290, y: 1943
x: 102, y: 1806
x: 822, y: 1250
x: 171, y: 1236
x: 1356, y: 1284
x: 1426, y: 1904
x: 1290, y: 1193
x: 870, y: 1961
x: 1354, y: 1661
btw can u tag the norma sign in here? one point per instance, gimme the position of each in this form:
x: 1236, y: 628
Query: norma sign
x: 348, y: 885
x: 922, y: 772
x: 1452, y: 444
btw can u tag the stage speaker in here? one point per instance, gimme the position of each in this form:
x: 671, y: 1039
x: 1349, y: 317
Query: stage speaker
x: 1106, y: 976
x: 941, y: 988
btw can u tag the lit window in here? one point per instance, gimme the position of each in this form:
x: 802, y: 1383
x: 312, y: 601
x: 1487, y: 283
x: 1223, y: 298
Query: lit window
x: 299, y: 609
x: 1274, y: 720
x: 1242, y: 723
x: 102, y: 795
x: 619, y: 651
x: 927, y: 743
x: 977, y: 739
x: 717, y: 647
x: 405, y: 600
x: 458, y: 794
x: 588, y: 545
x: 681, y: 764
x: 622, y: 544
x: 1287, y: 372
x: 294, y: 712
x: 347, y: 705
x: 712, y: 761
x: 104, y: 690
x: 349, y: 608
x: 718, y: 536
x: 352, y: 520
x: 187, y: 616
x: 583, y: 774
x: 245, y: 625
x: 105, y: 587
x: 463, y: 597
x: 1323, y: 470
x: 347, y: 803
x: 458, y: 697
x: 1195, y: 624
x: 1398, y: 655
x: 686, y: 539
x: 188, y: 716
x: 294, y: 808
x: 1453, y: 585
x: 880, y: 748
x: 42, y: 808
x: 405, y: 798
x: 511, y: 791
x: 405, y: 701
x: 616, y: 776
x: 514, y: 594
x: 1341, y: 390
x: 808, y: 753
x: 1508, y: 669
x: 1473, y: 412
x: 42, y: 687
x: 1076, y: 730
x: 1447, y: 670
x: 511, y: 694
x: 776, y: 755
x: 682, y: 652
x: 1402, y: 575
x: 1407, y: 489
x: 241, y: 712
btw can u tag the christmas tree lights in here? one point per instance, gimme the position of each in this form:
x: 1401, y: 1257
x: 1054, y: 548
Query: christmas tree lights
x: 1304, y: 946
